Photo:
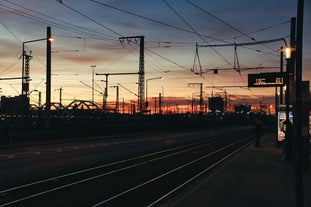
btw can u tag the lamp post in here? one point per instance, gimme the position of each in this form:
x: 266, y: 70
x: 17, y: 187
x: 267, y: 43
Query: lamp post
x: 25, y: 77
x: 288, y: 95
x: 25, y: 70
x: 293, y: 55
x: 146, y: 101
x: 48, y: 80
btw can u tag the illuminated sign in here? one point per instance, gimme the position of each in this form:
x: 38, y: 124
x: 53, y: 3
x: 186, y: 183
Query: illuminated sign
x: 266, y: 80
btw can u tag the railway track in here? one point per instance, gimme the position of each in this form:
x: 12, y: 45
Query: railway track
x: 145, y: 180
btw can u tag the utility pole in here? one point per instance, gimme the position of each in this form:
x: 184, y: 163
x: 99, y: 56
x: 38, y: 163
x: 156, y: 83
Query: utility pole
x: 298, y: 109
x: 117, y: 98
x: 60, y: 94
x: 39, y: 98
x: 105, y: 94
x: 106, y: 88
x: 127, y: 89
x: 160, y: 103
x: 281, y: 70
x: 39, y: 101
x: 290, y: 93
x: 93, y: 67
x: 48, y: 79
x: 201, y: 94
x: 141, y: 71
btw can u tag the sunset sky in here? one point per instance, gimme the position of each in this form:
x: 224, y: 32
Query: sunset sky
x: 87, y: 33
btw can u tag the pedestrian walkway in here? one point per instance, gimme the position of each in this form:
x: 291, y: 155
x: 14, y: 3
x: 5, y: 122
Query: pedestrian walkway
x: 253, y: 178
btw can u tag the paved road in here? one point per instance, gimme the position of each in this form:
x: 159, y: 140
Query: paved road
x: 135, y: 170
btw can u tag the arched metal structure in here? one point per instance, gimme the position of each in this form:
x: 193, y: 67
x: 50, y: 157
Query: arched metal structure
x: 82, y: 105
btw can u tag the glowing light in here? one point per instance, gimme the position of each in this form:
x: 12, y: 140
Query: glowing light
x: 288, y: 52
x: 51, y: 39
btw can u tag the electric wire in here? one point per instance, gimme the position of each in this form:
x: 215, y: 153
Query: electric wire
x: 51, y: 21
x: 31, y: 10
x: 53, y: 18
x: 31, y: 17
x: 153, y: 20
x: 65, y: 28
x: 15, y: 36
x: 120, y: 34
x: 218, y: 19
x: 197, y: 34
x: 266, y: 28
x: 9, y: 67
x: 194, y: 30
x: 229, y: 25
x: 89, y: 18
x: 10, y: 31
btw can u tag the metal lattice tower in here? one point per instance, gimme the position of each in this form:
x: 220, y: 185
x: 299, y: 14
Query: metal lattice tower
x: 26, y: 75
x: 141, y: 71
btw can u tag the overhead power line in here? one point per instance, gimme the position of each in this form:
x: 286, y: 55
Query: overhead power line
x: 89, y: 18
x: 220, y: 20
x: 192, y: 28
x: 266, y: 28
x: 59, y: 22
x: 183, y: 67
x: 44, y: 19
x: 245, y: 43
x: 10, y: 31
x: 225, y: 23
x: 153, y: 20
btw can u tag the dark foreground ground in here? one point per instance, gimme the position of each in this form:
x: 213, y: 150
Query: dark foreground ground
x: 254, y: 177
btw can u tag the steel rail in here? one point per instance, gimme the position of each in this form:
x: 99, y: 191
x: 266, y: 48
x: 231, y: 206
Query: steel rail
x: 164, y: 174
x: 199, y: 174
x: 151, y: 157
x: 182, y: 149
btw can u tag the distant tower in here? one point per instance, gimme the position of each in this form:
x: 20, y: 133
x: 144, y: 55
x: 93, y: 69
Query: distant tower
x: 141, y: 71
x: 26, y: 74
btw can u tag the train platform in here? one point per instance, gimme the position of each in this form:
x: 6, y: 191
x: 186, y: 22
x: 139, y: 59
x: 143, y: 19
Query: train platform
x: 254, y: 177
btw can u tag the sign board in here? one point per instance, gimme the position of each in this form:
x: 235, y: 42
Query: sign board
x: 266, y: 79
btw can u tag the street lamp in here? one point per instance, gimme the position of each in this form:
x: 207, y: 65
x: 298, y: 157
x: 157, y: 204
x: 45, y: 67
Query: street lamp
x: 25, y: 71
x: 146, y: 101
x: 48, y: 39
x: 288, y: 53
x: 288, y: 94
